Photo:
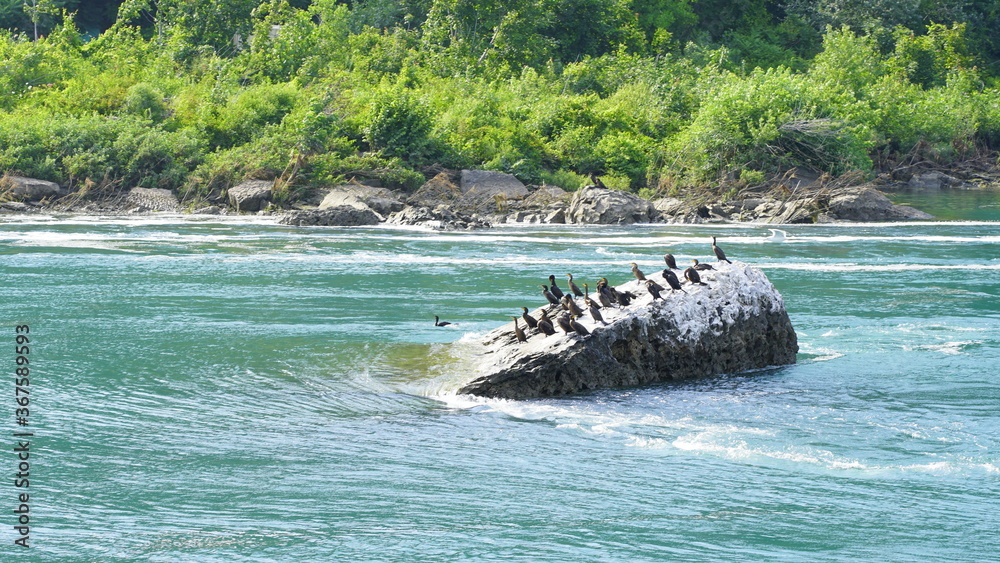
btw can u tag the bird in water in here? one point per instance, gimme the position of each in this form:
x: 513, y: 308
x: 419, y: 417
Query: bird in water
x: 518, y: 332
x: 548, y: 295
x: 570, y: 305
x: 699, y: 266
x: 671, y: 263
x: 573, y: 287
x: 654, y: 289
x: 672, y: 281
x: 554, y: 288
x: 545, y: 324
x: 439, y: 322
x: 777, y: 235
x: 638, y: 273
x: 692, y: 276
x: 528, y: 319
x: 719, y: 253
x: 577, y: 327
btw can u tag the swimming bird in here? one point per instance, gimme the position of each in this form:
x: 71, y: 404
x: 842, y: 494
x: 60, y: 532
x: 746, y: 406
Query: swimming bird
x: 672, y: 281
x: 577, y: 327
x: 671, y: 263
x: 692, y: 276
x: 777, y: 235
x: 528, y: 319
x: 521, y: 337
x: 654, y: 289
x: 637, y: 272
x: 573, y: 287
x: 554, y: 288
x: 545, y: 324
x: 438, y: 322
x: 719, y: 253
x: 548, y: 295
x: 699, y: 266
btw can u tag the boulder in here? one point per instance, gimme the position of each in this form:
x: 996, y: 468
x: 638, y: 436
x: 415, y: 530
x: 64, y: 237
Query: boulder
x: 736, y: 323
x: 152, y: 199
x: 487, y: 183
x: 342, y: 216
x: 436, y: 191
x: 867, y: 204
x: 593, y: 205
x: 210, y: 210
x: 379, y: 200
x: 933, y: 180
x: 440, y: 217
x: 29, y: 189
x: 252, y: 195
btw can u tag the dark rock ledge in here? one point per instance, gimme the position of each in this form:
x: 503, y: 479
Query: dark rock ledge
x: 737, y: 323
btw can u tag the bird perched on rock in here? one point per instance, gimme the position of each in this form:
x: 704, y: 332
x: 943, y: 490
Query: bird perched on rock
x: 521, y: 337
x: 604, y: 293
x: 692, y: 276
x: 718, y: 252
x: 638, y: 273
x: 570, y: 305
x: 672, y: 281
x: 528, y: 319
x: 577, y: 327
x: 563, y: 322
x: 573, y: 287
x: 586, y: 297
x: 654, y: 289
x: 671, y: 263
x: 548, y: 295
x: 595, y: 313
x: 554, y: 288
x: 700, y: 266
x: 438, y: 322
x: 545, y: 324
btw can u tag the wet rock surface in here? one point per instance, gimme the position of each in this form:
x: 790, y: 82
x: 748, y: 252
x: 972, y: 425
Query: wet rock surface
x: 736, y: 323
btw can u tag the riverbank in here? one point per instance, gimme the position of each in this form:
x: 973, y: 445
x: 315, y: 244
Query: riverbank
x: 473, y: 199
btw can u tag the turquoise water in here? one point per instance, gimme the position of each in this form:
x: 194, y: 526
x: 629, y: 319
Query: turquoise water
x: 224, y: 390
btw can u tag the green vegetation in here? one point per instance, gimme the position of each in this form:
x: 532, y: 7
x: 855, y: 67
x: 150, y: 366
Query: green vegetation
x: 654, y: 95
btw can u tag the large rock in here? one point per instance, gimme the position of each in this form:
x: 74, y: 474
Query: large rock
x: 29, y: 189
x: 342, y: 216
x: 152, y: 199
x: 866, y: 204
x: 736, y: 323
x: 489, y: 184
x: 379, y: 200
x: 252, y: 195
x: 440, y: 218
x: 593, y: 205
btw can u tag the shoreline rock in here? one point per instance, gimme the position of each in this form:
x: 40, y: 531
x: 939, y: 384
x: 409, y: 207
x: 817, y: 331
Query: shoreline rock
x: 735, y: 324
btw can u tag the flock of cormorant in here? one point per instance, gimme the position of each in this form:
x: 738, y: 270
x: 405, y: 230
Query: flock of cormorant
x: 567, y: 311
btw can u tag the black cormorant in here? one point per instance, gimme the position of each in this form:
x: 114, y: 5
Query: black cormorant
x: 719, y: 253
x: 671, y: 263
x: 577, y: 327
x: 692, y: 276
x: 654, y: 289
x: 572, y: 286
x: 438, y: 322
x: 699, y: 266
x: 554, y: 288
x: 564, y: 324
x: 545, y: 324
x: 586, y: 297
x: 672, y: 281
x: 570, y: 305
x: 548, y: 295
x: 528, y: 319
x: 595, y: 313
x: 518, y: 332
x: 604, y: 294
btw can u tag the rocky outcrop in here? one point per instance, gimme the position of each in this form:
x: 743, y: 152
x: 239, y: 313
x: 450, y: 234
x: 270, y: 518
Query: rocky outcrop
x: 29, y: 189
x: 252, y: 195
x: 489, y: 184
x: 440, y: 217
x: 342, y: 216
x: 593, y: 205
x: 379, y: 200
x: 736, y: 323
x: 152, y: 199
x: 867, y: 204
